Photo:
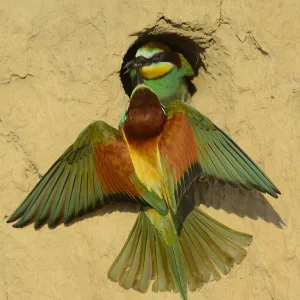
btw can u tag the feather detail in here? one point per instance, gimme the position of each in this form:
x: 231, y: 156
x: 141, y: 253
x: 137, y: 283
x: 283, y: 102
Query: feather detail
x: 219, y: 158
x: 178, y: 161
x: 91, y: 172
x: 145, y: 256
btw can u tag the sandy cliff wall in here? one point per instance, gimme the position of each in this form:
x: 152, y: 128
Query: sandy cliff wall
x: 59, y: 71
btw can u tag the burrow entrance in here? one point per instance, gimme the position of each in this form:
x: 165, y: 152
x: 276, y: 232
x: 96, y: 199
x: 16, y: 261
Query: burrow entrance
x: 182, y: 44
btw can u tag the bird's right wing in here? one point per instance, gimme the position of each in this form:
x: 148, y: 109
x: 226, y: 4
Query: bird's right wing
x: 95, y: 169
x: 192, y: 146
x: 221, y: 159
x: 187, y: 68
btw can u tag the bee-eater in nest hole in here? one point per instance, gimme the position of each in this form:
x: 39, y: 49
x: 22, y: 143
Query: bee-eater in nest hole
x: 152, y: 158
x: 163, y: 70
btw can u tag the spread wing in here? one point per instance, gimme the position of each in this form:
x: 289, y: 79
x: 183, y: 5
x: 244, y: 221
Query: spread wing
x: 91, y: 172
x: 179, y: 155
x: 221, y: 159
x: 192, y: 146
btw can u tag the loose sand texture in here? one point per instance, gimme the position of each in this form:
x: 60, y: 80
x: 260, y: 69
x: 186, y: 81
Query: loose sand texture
x: 59, y: 71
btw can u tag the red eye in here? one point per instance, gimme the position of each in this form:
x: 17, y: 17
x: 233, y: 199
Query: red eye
x: 158, y: 56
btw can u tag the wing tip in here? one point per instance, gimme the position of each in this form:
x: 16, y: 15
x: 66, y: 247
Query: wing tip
x: 10, y: 220
x: 274, y: 192
x: 68, y: 219
x: 277, y: 192
x: 18, y: 225
x: 14, y: 217
x: 38, y: 224
x: 52, y: 223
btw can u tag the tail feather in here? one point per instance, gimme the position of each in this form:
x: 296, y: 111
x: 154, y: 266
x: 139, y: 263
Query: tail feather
x: 177, y: 269
x: 131, y: 275
x: 229, y: 242
x: 200, y: 253
x: 240, y: 238
x: 211, y: 247
x: 204, y: 248
x: 214, y: 253
x: 163, y: 281
x: 124, y: 260
x: 191, y: 272
x: 143, y: 275
x: 201, y: 271
x: 144, y: 257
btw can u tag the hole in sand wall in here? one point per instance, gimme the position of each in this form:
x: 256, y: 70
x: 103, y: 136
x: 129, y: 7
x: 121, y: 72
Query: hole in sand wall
x: 176, y: 42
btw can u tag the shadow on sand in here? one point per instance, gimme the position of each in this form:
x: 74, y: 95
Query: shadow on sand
x: 237, y: 201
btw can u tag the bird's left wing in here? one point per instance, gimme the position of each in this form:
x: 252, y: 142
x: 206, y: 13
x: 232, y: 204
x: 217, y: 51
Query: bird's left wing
x: 93, y: 170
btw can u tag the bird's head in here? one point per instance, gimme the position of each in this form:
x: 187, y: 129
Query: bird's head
x: 156, y: 59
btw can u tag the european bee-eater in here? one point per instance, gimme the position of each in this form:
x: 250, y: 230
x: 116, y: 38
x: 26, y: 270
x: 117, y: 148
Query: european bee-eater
x: 152, y: 158
x: 163, y: 70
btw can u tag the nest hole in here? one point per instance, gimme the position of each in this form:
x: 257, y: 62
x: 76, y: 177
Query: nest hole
x: 189, y: 48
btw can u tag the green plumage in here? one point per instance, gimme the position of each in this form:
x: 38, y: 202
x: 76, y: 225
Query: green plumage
x: 71, y: 186
x: 189, y: 248
x: 168, y: 87
x: 203, y: 249
x: 221, y: 159
x: 206, y: 247
x: 171, y: 86
x: 173, y: 244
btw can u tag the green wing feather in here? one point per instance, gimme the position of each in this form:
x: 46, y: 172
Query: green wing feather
x: 72, y: 185
x: 186, y: 66
x: 179, y: 163
x: 220, y: 158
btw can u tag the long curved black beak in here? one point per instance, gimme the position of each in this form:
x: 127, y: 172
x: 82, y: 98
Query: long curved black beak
x: 136, y: 63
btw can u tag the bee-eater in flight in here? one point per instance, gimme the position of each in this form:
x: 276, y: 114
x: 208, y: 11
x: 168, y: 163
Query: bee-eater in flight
x: 153, y: 158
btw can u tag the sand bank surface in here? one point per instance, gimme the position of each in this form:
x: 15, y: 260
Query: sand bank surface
x: 59, y: 71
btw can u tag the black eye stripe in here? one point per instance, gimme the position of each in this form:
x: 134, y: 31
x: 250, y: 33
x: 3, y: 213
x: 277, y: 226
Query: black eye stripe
x: 158, y: 55
x: 141, y: 61
x: 164, y: 57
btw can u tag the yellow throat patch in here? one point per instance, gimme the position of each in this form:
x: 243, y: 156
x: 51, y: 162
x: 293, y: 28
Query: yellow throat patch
x: 156, y: 70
